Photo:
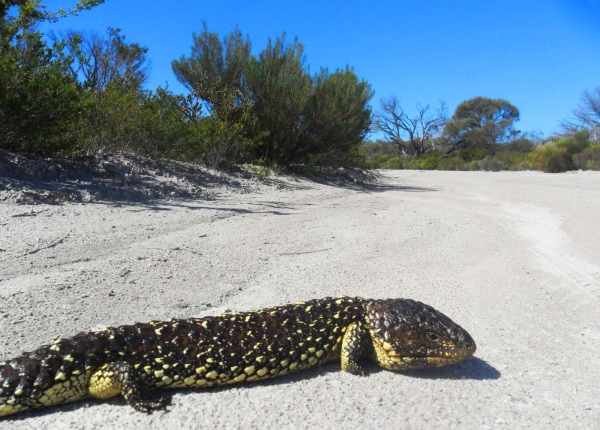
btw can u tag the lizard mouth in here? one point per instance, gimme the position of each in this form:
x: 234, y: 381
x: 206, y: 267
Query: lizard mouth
x: 453, y: 355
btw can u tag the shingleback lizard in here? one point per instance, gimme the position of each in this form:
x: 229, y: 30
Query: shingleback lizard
x: 398, y: 334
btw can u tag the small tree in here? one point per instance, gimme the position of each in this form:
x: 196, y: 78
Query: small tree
x: 39, y: 99
x: 111, y: 73
x: 481, y: 123
x: 215, y: 74
x: 412, y: 136
x: 280, y: 87
x: 337, y: 116
x: 99, y: 61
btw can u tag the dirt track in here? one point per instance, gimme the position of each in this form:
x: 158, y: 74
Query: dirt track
x: 512, y: 257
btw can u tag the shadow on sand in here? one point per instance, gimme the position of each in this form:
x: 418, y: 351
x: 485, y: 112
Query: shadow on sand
x: 142, y: 180
x: 471, y: 369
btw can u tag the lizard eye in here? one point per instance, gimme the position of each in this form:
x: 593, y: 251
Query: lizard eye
x: 432, y: 336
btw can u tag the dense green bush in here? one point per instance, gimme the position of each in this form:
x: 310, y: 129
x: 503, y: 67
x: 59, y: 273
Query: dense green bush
x: 283, y: 114
x: 471, y: 155
x: 551, y: 159
x: 165, y: 130
x: 279, y: 89
x: 39, y: 101
x: 588, y: 159
x: 522, y: 145
x: 491, y: 164
x: 383, y: 161
x: 452, y: 163
x: 393, y: 163
x: 429, y: 161
x: 574, y: 144
x: 512, y: 160
x: 336, y: 119
x: 558, y: 156
x: 214, y: 74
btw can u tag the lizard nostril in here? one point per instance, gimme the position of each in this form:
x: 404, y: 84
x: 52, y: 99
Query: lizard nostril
x: 469, y: 346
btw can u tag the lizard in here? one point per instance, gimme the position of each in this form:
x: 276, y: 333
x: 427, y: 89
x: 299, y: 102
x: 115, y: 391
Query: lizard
x: 132, y: 360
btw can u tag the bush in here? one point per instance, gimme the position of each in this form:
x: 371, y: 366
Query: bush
x: 39, y: 101
x: 551, y: 159
x: 164, y: 127
x: 588, y: 159
x: 393, y: 163
x: 452, y: 163
x: 574, y: 144
x: 512, y: 160
x: 520, y: 145
x: 380, y: 147
x: 292, y: 116
x: 491, y: 164
x: 336, y: 118
x: 470, y: 155
x: 429, y: 161
x: 111, y: 120
x: 559, y: 156
x: 382, y: 161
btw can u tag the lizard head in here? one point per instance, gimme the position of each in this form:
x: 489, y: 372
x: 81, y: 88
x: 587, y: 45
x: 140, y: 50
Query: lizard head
x: 407, y: 335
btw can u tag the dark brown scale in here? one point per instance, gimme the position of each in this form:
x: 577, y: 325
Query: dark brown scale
x: 52, y: 363
x: 43, y: 379
x: 25, y: 367
x: 100, y: 346
x: 11, y: 382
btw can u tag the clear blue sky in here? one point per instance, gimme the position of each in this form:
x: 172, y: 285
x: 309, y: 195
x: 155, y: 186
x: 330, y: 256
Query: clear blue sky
x: 539, y: 55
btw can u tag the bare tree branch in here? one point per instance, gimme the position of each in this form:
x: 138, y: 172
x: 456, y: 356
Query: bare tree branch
x: 412, y: 136
x: 587, y: 115
x: 63, y: 13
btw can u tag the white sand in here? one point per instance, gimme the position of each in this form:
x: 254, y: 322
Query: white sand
x: 512, y: 257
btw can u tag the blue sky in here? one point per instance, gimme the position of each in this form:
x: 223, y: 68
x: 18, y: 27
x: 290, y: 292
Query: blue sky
x: 539, y: 55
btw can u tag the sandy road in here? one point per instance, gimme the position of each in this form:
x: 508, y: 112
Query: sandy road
x: 512, y: 257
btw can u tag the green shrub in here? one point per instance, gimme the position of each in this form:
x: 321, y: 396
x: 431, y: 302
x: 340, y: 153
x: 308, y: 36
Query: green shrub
x: 520, y: 145
x: 512, y: 160
x: 491, y: 164
x: 293, y: 116
x: 165, y: 129
x: 469, y: 155
x: 39, y: 100
x: 429, y: 161
x: 452, y: 163
x: 588, y: 159
x: 383, y: 161
x: 574, y: 144
x: 110, y: 119
x: 336, y: 118
x: 551, y: 159
x: 393, y: 163
x: 379, y: 147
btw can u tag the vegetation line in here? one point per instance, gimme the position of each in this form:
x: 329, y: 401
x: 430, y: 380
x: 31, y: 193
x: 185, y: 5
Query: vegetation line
x: 83, y: 93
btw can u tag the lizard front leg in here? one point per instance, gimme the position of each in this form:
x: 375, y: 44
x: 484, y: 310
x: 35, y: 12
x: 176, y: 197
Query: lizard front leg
x: 354, y: 344
x: 117, y: 378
